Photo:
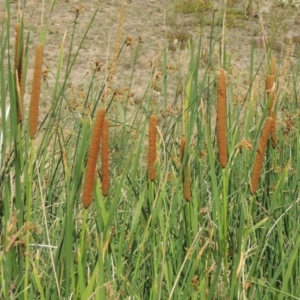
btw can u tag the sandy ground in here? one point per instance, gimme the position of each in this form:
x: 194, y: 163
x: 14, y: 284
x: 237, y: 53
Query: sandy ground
x: 147, y: 26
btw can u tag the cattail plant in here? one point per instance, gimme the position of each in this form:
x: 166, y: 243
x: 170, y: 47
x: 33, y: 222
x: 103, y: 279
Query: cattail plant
x: 260, y: 154
x: 270, y: 88
x: 186, y: 179
x: 221, y: 118
x: 19, y: 57
x: 92, y: 159
x: 104, y: 158
x: 36, y: 89
x: 152, y: 147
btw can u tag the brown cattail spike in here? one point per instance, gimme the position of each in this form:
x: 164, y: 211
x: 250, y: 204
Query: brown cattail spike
x: 152, y: 147
x: 221, y: 118
x: 260, y: 154
x: 19, y: 54
x: 36, y: 90
x: 89, y: 182
x: 104, y: 158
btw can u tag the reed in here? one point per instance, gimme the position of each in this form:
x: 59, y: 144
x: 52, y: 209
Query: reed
x: 19, y: 58
x: 92, y: 159
x: 105, y: 157
x: 152, y: 147
x: 36, y: 90
x: 221, y: 118
x: 260, y: 154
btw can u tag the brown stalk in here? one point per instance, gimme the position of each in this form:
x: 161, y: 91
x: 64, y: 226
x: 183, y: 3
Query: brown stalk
x: 221, y: 118
x: 152, y: 147
x: 104, y: 158
x: 260, y: 154
x: 36, y: 90
x: 89, y: 182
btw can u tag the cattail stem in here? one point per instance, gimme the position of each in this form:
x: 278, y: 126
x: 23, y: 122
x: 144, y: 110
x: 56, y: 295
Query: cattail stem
x: 36, y: 90
x: 19, y: 55
x: 221, y: 118
x: 88, y: 188
x: 104, y: 158
x: 152, y: 147
x: 260, y: 154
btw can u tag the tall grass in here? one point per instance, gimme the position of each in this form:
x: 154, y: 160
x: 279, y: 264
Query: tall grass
x: 142, y: 240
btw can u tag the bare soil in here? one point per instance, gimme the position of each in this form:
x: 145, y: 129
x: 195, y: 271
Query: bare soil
x: 146, y: 28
